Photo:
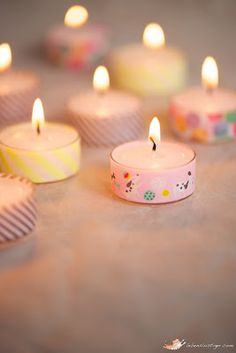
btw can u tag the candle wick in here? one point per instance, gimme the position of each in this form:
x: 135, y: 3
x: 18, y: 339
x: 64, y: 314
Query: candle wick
x: 38, y: 129
x: 101, y: 93
x: 209, y: 90
x: 154, y: 144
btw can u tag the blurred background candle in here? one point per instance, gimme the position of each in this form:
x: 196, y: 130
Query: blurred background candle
x: 106, y: 117
x: 153, y: 171
x: 18, y: 89
x: 17, y: 208
x: 206, y: 113
x: 42, y: 152
x: 151, y: 68
x: 76, y: 44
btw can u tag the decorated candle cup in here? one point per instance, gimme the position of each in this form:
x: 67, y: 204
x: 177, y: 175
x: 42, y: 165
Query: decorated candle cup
x: 41, y: 152
x: 17, y: 208
x: 153, y: 172
x: 151, y: 69
x: 18, y: 89
x: 76, y: 44
x: 207, y: 113
x: 106, y: 117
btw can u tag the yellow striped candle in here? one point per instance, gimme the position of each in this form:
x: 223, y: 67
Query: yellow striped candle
x: 151, y: 68
x: 42, y: 152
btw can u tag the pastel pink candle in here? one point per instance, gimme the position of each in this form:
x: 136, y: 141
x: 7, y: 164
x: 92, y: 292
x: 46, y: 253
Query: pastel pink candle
x: 106, y: 117
x: 76, y: 44
x: 206, y: 113
x: 153, y: 171
x: 18, y: 89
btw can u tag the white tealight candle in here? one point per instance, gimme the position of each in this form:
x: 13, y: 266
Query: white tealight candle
x: 206, y: 113
x: 17, y: 208
x: 151, y: 68
x: 153, y: 171
x: 106, y: 117
x: 43, y: 152
x: 76, y: 44
x: 18, y: 89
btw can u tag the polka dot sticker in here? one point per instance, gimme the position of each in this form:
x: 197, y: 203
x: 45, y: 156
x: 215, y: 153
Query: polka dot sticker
x: 193, y: 120
x: 127, y: 175
x: 199, y: 134
x: 221, y: 129
x: 231, y: 117
x: 215, y: 117
x: 149, y: 195
x: 165, y: 193
x: 181, y: 123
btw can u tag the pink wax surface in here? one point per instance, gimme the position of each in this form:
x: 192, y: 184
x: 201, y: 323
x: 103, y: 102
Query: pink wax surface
x: 62, y: 34
x: 110, y: 104
x: 13, y: 192
x: 139, y: 154
x: 197, y: 99
x: 15, y: 81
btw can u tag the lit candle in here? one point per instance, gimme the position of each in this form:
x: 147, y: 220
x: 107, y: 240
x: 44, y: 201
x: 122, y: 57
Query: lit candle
x: 76, y: 44
x: 17, y: 208
x: 153, y: 171
x: 18, y: 89
x: 206, y: 113
x: 41, y: 151
x: 106, y: 117
x: 151, y: 68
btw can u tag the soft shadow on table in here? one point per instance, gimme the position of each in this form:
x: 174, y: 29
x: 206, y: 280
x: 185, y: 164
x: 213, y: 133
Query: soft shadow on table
x: 17, y: 253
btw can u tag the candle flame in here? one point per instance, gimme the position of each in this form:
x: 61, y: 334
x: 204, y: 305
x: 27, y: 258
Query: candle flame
x: 38, y: 115
x: 155, y: 132
x: 210, y: 76
x: 76, y: 16
x: 5, y: 56
x: 101, y: 80
x: 153, y: 36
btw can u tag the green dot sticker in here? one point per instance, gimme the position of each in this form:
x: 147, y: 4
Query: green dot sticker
x: 149, y: 195
x: 231, y: 117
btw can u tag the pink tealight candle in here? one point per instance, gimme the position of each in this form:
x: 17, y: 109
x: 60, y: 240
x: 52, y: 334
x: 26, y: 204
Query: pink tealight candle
x: 18, y: 89
x: 153, y: 171
x: 106, y: 117
x: 205, y: 113
x: 76, y: 44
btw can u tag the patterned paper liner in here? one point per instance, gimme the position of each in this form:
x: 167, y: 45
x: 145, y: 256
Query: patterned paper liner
x: 80, y: 53
x: 18, y: 220
x: 192, y: 125
x: 152, y: 186
x: 106, y: 132
x: 41, y: 166
x: 17, y: 106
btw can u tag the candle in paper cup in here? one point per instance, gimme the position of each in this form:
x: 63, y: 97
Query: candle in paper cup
x: 76, y: 44
x: 106, y: 117
x: 41, y: 151
x: 206, y: 113
x: 18, y: 89
x: 153, y: 171
x: 151, y: 68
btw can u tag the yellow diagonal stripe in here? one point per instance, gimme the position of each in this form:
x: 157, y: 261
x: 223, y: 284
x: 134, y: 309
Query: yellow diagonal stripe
x: 27, y: 171
x: 4, y: 163
x: 46, y: 165
x: 66, y: 159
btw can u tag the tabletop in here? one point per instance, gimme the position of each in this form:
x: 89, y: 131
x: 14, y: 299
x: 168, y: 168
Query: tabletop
x: 103, y: 275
